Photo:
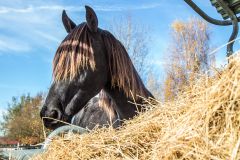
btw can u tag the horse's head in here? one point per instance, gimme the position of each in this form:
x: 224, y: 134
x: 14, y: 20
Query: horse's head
x: 89, y: 59
x: 80, y: 70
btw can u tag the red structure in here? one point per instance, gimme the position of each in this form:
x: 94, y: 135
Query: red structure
x: 6, y: 142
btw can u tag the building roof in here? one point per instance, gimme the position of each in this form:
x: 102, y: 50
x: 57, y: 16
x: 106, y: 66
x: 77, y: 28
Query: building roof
x: 5, y: 140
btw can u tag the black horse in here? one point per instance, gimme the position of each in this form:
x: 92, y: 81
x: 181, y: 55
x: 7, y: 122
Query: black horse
x: 87, y: 61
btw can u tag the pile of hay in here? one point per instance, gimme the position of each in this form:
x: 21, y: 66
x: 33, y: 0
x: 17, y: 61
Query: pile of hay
x: 203, y: 123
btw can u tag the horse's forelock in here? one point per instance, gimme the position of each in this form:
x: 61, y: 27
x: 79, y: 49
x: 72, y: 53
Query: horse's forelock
x: 74, y: 53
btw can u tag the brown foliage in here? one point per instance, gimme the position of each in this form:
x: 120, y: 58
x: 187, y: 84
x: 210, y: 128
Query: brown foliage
x: 188, y: 55
x: 22, y: 121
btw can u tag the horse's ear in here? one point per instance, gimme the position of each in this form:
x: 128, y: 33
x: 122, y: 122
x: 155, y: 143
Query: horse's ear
x: 92, y: 20
x: 67, y: 22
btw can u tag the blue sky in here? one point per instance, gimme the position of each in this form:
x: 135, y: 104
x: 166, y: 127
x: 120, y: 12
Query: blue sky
x: 31, y: 30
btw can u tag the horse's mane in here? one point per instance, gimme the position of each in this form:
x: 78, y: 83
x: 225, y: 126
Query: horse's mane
x: 108, y: 104
x: 76, y: 53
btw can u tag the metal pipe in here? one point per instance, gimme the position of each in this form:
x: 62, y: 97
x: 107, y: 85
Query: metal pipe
x: 61, y: 130
x: 235, y: 26
x: 234, y: 21
x: 208, y: 18
x: 26, y: 154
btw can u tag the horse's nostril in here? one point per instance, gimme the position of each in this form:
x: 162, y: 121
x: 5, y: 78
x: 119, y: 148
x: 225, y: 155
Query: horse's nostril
x: 54, y: 114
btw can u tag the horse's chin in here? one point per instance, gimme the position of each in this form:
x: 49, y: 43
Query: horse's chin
x: 53, y: 125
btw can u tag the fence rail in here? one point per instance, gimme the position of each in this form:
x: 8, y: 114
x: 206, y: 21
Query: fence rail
x: 25, y: 154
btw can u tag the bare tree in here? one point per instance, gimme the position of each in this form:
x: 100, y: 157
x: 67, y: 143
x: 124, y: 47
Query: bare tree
x: 135, y: 39
x: 187, y: 55
x: 154, y: 85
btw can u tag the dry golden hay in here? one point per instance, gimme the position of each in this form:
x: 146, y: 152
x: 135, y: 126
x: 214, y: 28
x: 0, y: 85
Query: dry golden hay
x: 203, y: 123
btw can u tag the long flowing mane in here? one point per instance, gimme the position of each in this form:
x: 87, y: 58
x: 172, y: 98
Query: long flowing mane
x: 75, y: 53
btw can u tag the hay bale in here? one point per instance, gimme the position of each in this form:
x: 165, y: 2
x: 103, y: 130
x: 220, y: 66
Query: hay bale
x: 203, y: 123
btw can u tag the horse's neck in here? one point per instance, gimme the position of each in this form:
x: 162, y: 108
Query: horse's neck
x: 126, y: 106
